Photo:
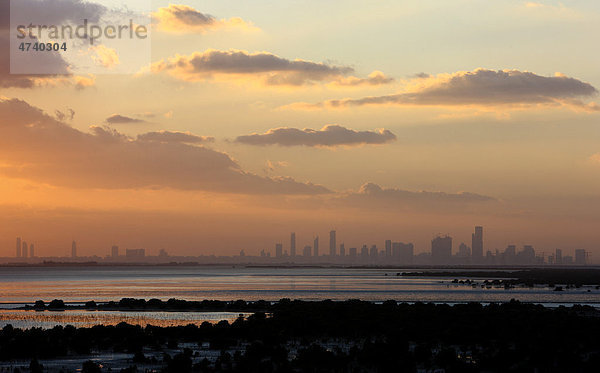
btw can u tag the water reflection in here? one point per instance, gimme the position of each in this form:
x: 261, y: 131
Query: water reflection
x: 49, y: 319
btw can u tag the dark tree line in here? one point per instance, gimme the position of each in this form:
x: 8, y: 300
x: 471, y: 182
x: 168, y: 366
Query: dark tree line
x: 386, y: 337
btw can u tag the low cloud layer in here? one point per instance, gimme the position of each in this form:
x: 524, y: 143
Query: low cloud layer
x: 266, y: 68
x: 122, y: 119
x: 371, y: 195
x: 35, y: 146
x: 174, y: 137
x: 177, y: 18
x: 483, y: 87
x: 328, y: 136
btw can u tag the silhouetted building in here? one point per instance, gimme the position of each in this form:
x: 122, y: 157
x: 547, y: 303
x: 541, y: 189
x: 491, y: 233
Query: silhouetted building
x: 388, y: 248
x: 441, y: 250
x: 24, y: 249
x: 164, y: 254
x: 307, y: 250
x: 332, y: 244
x: 31, y: 251
x: 510, y: 254
x: 527, y: 255
x: 364, y: 252
x: 74, y: 249
x: 135, y: 253
x: 293, y: 244
x: 352, y: 252
x: 580, y: 257
x: 316, y: 247
x: 18, y: 253
x: 406, y: 252
x: 342, y: 250
x: 278, y: 250
x: 464, y: 251
x: 114, y: 251
x: 477, y: 244
x: 373, y: 253
x: 558, y: 256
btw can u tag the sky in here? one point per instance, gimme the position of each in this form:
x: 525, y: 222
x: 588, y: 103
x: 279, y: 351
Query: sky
x: 246, y: 121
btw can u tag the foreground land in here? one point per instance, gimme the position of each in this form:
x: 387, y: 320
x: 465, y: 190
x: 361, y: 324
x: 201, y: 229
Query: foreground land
x: 351, y: 336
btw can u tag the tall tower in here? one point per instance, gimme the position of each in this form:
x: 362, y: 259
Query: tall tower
x: 278, y: 250
x: 24, y: 250
x: 332, y: 244
x: 388, y: 248
x: 31, y: 251
x: 477, y: 245
x: 316, y: 247
x: 18, y: 247
x: 74, y: 249
x: 293, y: 244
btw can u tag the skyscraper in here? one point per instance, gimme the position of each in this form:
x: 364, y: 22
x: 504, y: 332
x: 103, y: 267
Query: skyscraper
x: 580, y: 257
x: 31, y: 251
x: 342, y: 250
x: 114, y: 251
x: 24, y: 250
x: 441, y: 250
x: 332, y: 244
x: 306, y: 251
x: 74, y: 249
x: 18, y: 247
x: 477, y: 245
x: 293, y: 244
x: 316, y: 247
x: 558, y: 256
x: 278, y: 250
x: 388, y: 248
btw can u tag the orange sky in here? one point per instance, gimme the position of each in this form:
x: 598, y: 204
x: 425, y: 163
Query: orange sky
x: 247, y: 124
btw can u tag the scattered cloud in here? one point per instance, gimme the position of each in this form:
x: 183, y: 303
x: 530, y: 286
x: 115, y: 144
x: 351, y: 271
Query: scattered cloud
x: 104, y: 56
x: 121, y: 119
x: 553, y: 11
x: 482, y: 87
x: 328, y: 136
x: 64, y: 116
x: 174, y: 137
x: 374, y: 79
x: 268, y: 68
x: 58, y: 154
x: 180, y: 19
x: 595, y: 158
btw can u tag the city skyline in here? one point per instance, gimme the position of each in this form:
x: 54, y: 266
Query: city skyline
x: 442, y: 252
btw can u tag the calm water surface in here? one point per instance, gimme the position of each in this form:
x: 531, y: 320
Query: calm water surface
x: 80, y: 284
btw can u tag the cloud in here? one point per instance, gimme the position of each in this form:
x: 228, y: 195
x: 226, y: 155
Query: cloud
x: 104, y: 56
x: 482, y: 87
x: 37, y: 147
x: 174, y: 137
x: 595, y: 158
x: 121, y: 119
x: 64, y: 116
x: 374, y: 196
x: 328, y: 136
x: 43, y: 13
x: 375, y: 78
x: 266, y: 67
x: 185, y: 19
